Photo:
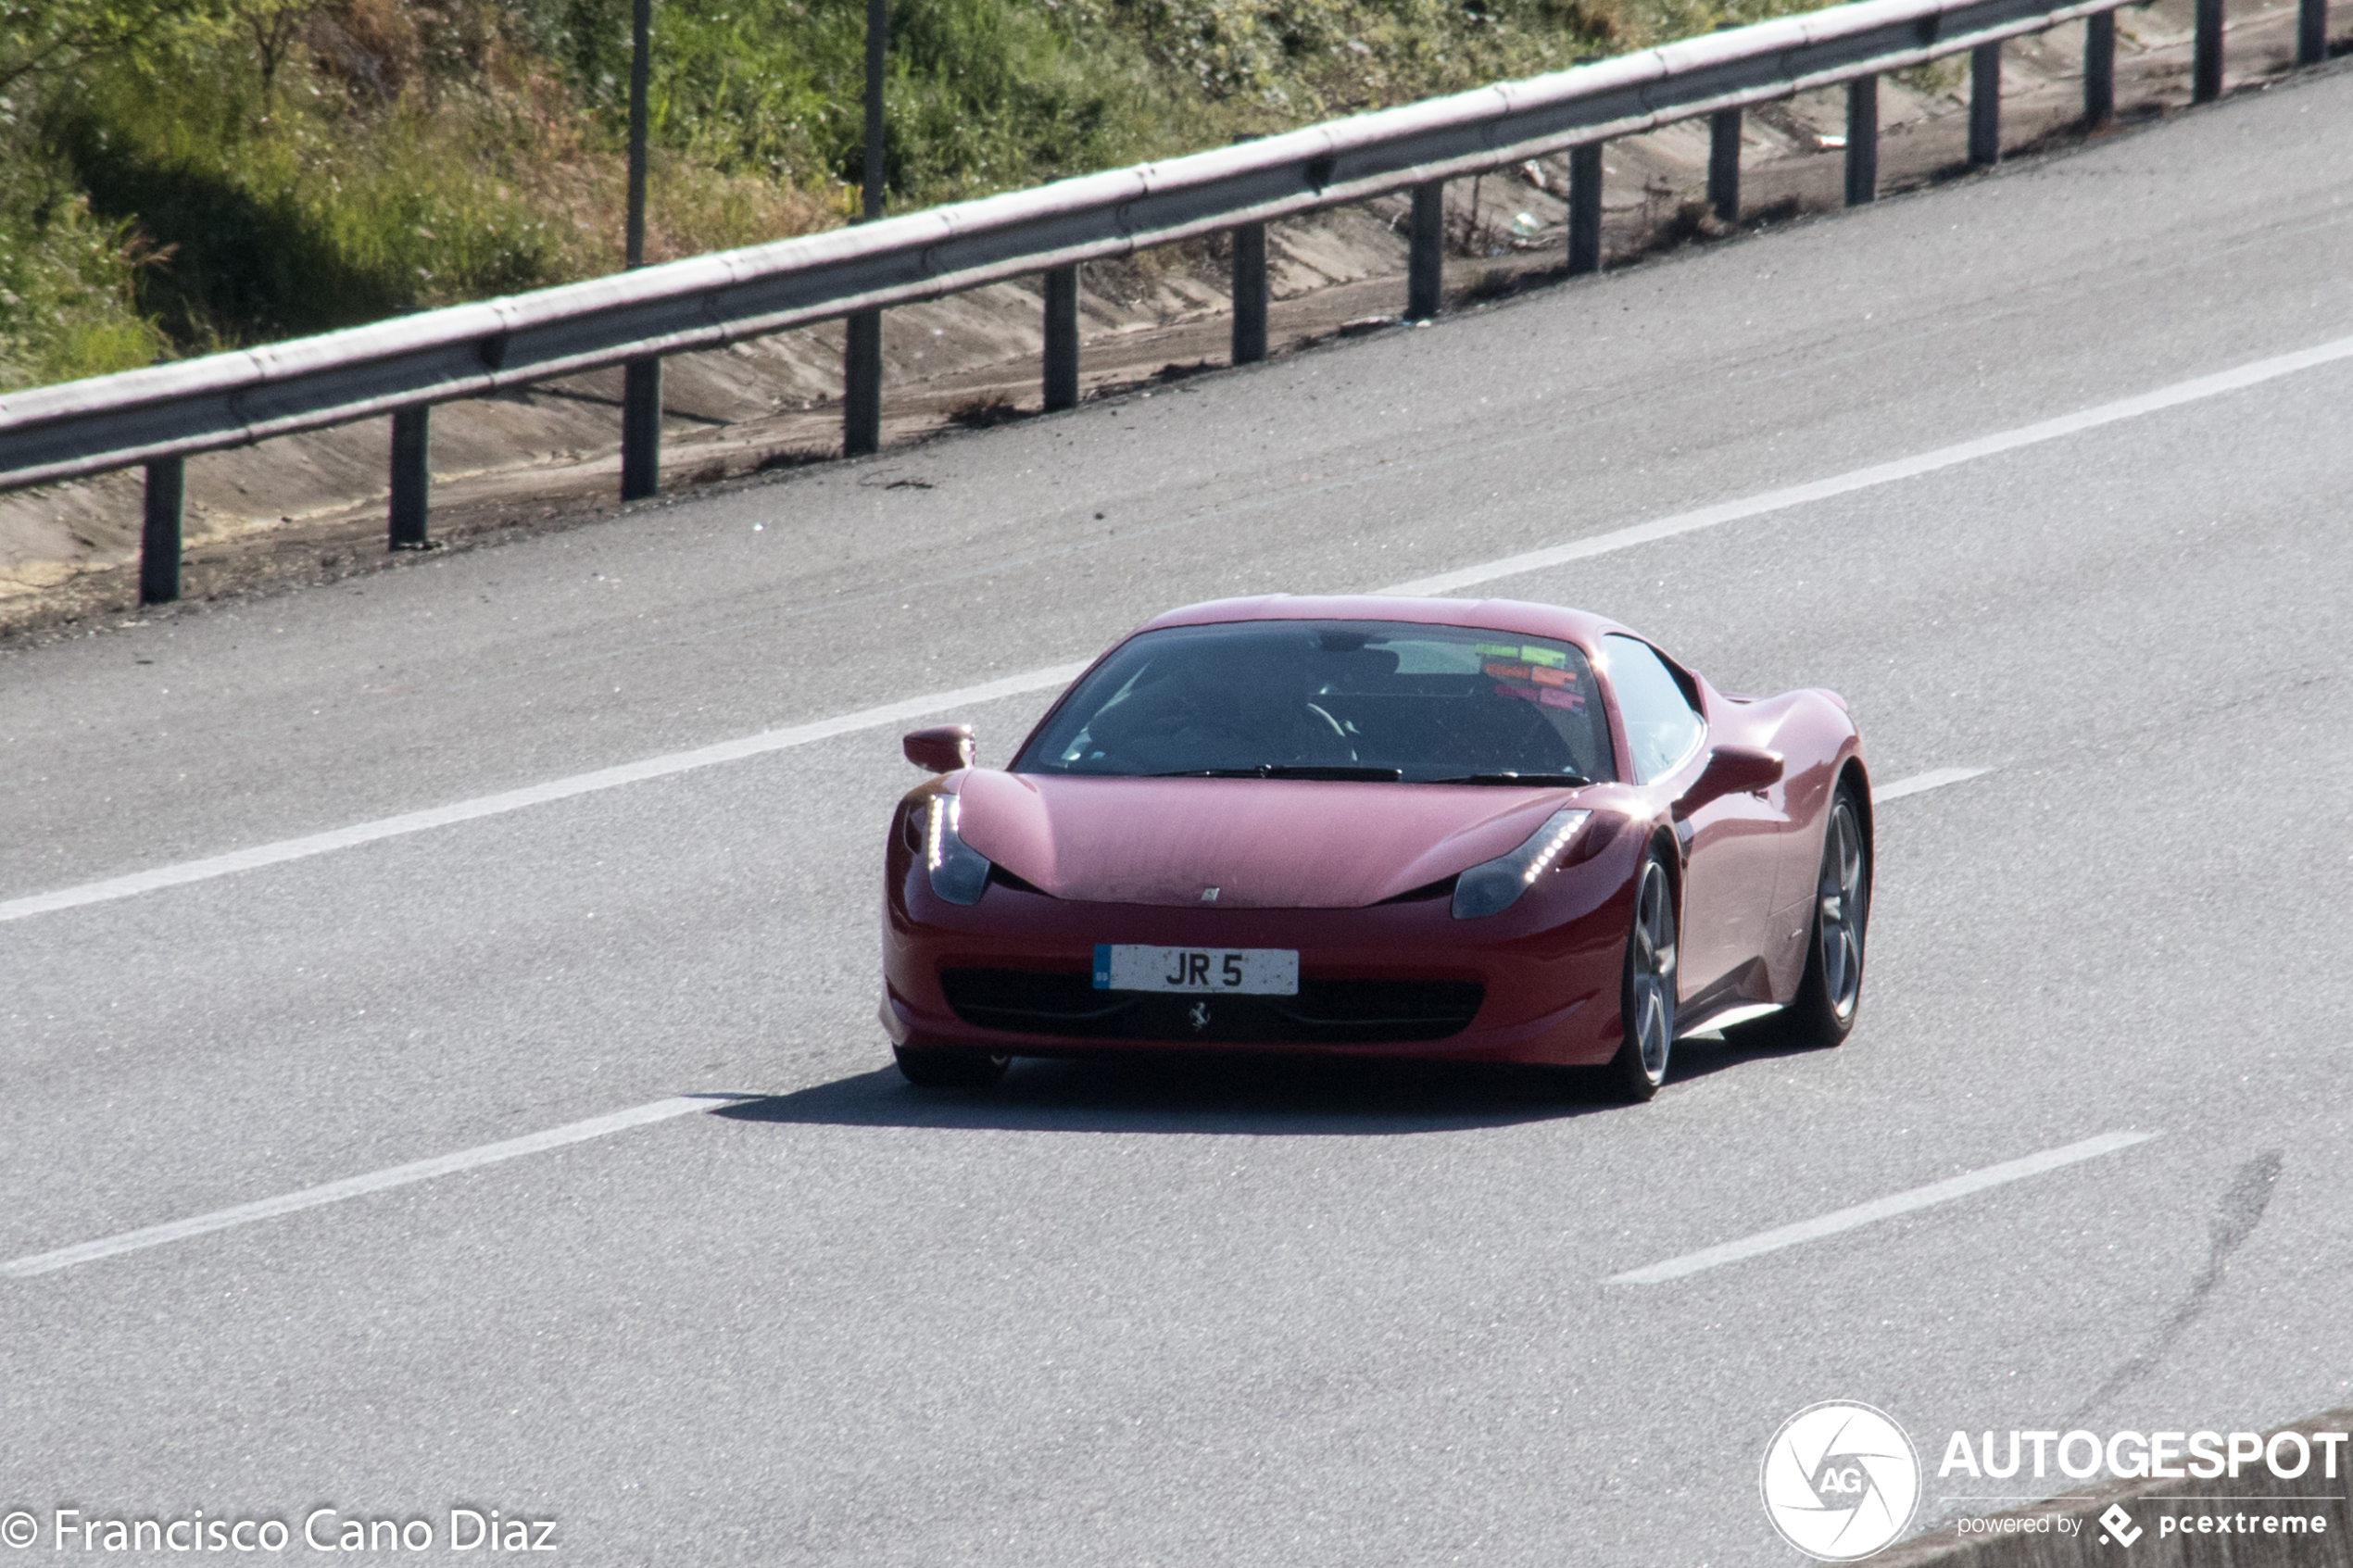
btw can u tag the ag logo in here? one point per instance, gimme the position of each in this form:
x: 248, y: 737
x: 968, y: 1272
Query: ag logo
x: 1840, y: 1481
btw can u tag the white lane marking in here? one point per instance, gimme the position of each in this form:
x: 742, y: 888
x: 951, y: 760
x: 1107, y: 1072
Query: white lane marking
x: 2164, y: 398
x: 1935, y: 778
x: 1039, y: 680
x: 534, y: 795
x: 357, y: 1186
x: 1879, y: 1208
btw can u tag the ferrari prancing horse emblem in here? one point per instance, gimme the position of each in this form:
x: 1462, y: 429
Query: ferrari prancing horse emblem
x: 1198, y: 1016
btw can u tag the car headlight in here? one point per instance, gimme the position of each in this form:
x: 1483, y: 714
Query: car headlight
x: 959, y: 872
x: 1492, y: 887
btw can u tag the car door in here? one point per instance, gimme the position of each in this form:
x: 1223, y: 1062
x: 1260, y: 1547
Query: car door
x: 1731, y: 844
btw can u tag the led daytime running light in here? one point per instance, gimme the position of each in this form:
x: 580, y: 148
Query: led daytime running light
x: 1495, y: 885
x: 959, y: 873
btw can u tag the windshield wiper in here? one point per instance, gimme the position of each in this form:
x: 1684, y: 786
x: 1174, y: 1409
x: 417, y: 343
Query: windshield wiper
x: 1531, y: 781
x: 1288, y: 771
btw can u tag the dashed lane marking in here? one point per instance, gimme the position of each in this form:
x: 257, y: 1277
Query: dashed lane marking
x: 358, y: 1186
x: 1879, y: 1208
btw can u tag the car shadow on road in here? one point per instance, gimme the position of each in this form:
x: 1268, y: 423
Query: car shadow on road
x: 1288, y: 1096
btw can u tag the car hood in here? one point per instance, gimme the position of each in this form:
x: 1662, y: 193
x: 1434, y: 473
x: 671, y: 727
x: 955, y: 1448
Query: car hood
x: 1265, y: 844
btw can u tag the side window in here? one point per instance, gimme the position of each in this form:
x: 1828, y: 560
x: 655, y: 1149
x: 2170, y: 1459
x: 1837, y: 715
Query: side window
x: 1661, y: 728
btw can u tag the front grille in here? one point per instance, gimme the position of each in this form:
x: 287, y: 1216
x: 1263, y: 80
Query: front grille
x: 1325, y: 1011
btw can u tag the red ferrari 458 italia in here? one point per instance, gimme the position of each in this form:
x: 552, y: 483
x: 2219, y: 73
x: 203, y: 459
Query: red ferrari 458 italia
x: 1477, y: 832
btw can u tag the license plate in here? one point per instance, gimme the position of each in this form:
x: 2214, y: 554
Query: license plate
x: 1236, y: 972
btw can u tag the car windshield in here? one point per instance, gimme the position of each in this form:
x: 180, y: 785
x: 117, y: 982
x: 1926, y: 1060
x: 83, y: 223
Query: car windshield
x: 1336, y: 699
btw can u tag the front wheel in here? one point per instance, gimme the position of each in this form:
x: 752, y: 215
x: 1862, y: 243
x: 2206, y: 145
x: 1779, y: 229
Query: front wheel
x: 1648, y: 1000
x: 939, y: 1067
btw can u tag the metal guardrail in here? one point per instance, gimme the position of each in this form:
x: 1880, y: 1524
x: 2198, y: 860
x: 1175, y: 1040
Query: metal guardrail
x: 161, y: 415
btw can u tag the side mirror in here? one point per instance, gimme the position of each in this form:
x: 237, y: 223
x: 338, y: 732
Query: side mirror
x: 946, y: 747
x: 1731, y: 770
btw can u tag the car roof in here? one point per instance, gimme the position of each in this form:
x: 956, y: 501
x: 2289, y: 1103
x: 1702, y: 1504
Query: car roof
x: 1517, y: 616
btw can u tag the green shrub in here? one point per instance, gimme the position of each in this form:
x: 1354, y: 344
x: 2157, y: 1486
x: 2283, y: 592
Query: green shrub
x: 67, y: 284
x: 981, y: 95
x: 307, y: 218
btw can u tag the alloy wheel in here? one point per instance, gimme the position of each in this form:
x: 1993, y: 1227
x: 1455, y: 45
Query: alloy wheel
x: 1653, y: 1023
x: 1840, y: 903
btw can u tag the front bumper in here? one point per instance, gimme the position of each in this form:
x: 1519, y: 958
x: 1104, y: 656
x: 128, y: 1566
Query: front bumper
x: 1012, y: 975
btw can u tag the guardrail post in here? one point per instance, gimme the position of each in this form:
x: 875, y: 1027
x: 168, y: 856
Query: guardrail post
x: 2206, y: 69
x: 1724, y: 157
x: 1724, y: 164
x: 411, y: 479
x: 1585, y: 208
x: 1986, y: 105
x: 1061, y: 337
x: 1249, y: 294
x: 159, y: 539
x: 2099, y: 69
x: 2311, y: 31
x: 640, y: 429
x: 862, y: 386
x: 1862, y: 140
x: 1426, y: 253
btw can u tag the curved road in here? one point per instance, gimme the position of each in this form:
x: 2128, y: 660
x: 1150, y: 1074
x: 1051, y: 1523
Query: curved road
x: 1281, y: 1316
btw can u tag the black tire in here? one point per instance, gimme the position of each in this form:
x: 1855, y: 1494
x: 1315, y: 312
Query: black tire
x: 1647, y: 1000
x: 936, y: 1067
x: 1830, y: 994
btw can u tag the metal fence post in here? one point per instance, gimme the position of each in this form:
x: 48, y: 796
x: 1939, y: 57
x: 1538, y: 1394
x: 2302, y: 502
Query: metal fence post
x: 1249, y: 286
x: 1862, y: 140
x: 640, y: 429
x: 1426, y: 254
x: 2206, y: 70
x: 1986, y: 105
x: 159, y: 539
x: 640, y: 379
x: 1249, y: 294
x: 1585, y: 208
x: 1724, y: 164
x: 1724, y: 157
x: 1061, y: 337
x: 862, y: 352
x: 862, y: 386
x: 2311, y: 31
x: 2099, y: 69
x: 413, y: 479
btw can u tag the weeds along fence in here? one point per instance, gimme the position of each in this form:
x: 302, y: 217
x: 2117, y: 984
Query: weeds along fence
x: 160, y: 416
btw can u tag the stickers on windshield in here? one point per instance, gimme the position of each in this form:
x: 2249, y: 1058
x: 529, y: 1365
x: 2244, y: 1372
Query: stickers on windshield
x: 1525, y: 694
x: 1506, y: 672
x: 1574, y: 702
x: 1544, y: 677
x: 1545, y: 656
x: 1496, y: 650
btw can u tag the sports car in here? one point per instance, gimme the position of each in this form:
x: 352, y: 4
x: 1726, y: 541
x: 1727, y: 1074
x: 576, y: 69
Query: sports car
x: 1434, y: 828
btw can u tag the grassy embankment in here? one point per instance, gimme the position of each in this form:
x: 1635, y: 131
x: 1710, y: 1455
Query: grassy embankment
x: 178, y: 176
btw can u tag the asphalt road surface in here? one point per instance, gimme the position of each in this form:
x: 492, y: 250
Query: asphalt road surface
x: 1272, y: 1316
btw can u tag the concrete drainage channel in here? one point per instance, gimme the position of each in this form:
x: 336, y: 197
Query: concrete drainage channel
x: 2285, y: 1508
